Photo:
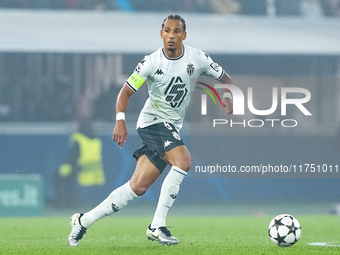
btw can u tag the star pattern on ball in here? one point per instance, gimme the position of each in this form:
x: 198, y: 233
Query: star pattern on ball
x: 278, y: 223
x: 280, y: 239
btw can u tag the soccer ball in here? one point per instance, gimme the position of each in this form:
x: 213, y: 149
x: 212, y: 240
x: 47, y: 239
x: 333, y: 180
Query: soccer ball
x: 284, y: 230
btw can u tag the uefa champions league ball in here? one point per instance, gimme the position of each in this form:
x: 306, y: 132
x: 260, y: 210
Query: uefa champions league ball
x: 284, y: 230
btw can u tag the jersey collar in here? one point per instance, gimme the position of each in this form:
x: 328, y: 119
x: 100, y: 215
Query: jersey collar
x: 174, y: 58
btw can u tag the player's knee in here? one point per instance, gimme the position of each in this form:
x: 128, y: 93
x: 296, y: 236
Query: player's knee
x: 187, y: 166
x: 139, y: 189
x: 179, y: 157
x: 187, y: 163
x: 184, y: 164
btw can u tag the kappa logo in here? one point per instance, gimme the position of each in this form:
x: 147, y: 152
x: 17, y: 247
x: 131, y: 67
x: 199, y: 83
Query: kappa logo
x: 159, y: 72
x: 173, y: 196
x: 167, y: 143
x: 115, y: 208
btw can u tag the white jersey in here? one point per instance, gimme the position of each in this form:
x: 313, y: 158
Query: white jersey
x: 169, y: 84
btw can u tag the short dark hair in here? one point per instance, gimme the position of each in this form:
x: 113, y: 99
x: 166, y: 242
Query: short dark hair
x: 176, y: 17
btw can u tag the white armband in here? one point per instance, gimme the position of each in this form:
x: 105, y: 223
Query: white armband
x: 120, y: 116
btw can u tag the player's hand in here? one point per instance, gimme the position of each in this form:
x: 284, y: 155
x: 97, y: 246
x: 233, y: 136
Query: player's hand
x: 119, y: 134
x: 227, y: 105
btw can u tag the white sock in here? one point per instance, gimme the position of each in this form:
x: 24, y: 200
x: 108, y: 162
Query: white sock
x: 118, y: 198
x: 169, y: 192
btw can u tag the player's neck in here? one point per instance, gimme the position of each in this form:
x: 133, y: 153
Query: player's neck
x: 173, y: 53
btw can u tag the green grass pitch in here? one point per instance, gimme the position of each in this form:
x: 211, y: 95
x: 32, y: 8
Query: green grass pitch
x: 198, y: 235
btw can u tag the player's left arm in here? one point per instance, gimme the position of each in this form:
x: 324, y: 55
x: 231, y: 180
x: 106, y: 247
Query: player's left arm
x: 227, y: 96
x: 119, y: 134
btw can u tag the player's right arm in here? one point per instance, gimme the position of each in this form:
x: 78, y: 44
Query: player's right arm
x: 132, y: 85
x: 120, y: 132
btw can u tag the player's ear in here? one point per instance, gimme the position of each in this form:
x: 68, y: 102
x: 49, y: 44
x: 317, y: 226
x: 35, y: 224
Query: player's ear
x: 161, y: 33
x: 184, y: 35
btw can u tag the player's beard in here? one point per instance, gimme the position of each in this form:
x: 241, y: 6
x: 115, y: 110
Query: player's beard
x: 172, y: 49
x: 172, y: 46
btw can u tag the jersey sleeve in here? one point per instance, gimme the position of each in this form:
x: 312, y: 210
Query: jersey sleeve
x: 140, y: 75
x: 210, y: 68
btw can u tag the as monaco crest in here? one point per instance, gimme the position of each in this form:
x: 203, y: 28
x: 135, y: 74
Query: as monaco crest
x: 190, y: 69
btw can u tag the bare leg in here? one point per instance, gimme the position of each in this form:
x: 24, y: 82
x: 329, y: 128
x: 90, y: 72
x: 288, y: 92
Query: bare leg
x: 145, y: 174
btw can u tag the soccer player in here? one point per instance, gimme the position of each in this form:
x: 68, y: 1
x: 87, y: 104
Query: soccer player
x: 167, y: 72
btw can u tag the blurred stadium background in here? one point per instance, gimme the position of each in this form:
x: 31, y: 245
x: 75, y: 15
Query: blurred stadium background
x: 63, y: 58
